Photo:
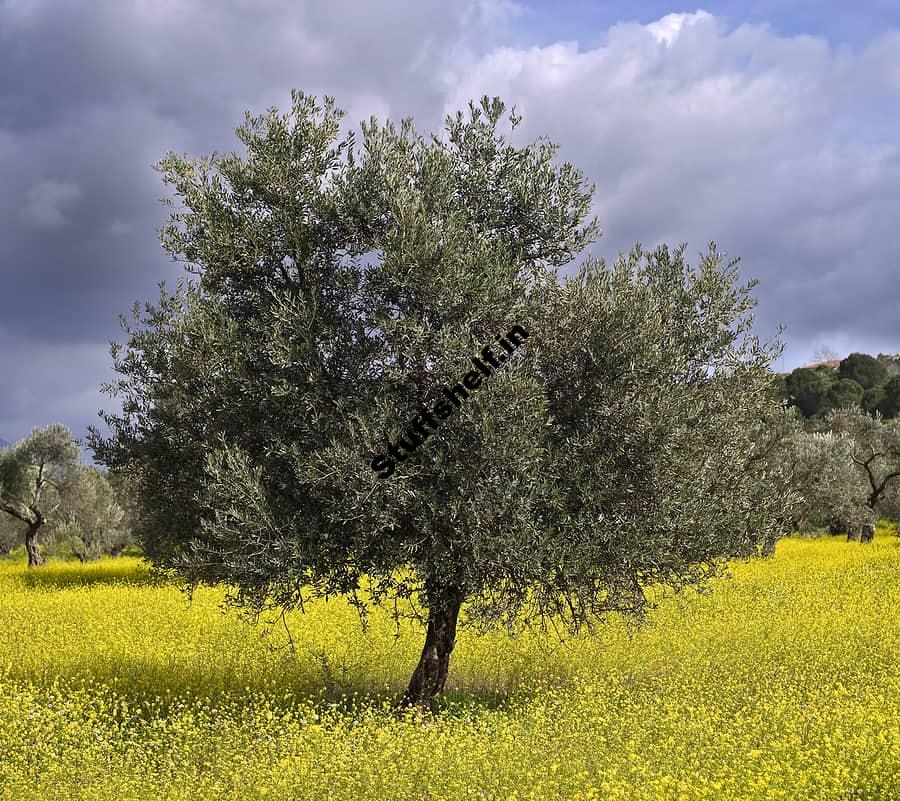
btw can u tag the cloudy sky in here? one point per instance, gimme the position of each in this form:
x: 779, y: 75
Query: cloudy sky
x: 765, y: 126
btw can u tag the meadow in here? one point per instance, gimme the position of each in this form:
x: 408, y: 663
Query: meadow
x: 781, y: 682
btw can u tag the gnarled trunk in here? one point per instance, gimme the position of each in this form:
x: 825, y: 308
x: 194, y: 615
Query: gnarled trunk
x: 32, y: 548
x: 430, y: 674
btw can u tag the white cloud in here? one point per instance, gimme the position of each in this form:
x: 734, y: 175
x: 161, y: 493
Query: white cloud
x: 781, y: 149
x: 669, y: 27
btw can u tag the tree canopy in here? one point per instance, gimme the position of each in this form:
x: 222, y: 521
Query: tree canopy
x: 90, y: 522
x: 334, y: 294
x: 36, y: 475
x: 874, y: 451
x: 808, y: 389
x: 865, y: 370
x: 860, y: 381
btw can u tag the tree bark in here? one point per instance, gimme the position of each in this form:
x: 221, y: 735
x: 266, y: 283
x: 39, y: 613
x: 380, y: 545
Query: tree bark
x: 430, y: 674
x: 32, y: 548
x: 4, y: 549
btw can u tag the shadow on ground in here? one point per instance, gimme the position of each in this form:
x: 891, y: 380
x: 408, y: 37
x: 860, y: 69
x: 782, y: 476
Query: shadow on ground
x: 49, y: 578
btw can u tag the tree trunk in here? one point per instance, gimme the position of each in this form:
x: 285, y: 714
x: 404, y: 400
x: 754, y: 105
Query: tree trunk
x: 31, y: 546
x: 868, y: 532
x: 5, y: 548
x: 853, y: 533
x: 430, y: 674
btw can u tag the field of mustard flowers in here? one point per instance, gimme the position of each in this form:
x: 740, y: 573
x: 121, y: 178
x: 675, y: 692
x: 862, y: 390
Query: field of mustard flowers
x: 781, y: 683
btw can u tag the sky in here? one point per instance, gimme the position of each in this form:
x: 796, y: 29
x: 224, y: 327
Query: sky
x: 770, y: 128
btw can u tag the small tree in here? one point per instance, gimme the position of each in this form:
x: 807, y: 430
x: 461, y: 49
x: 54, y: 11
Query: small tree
x: 873, y: 400
x: 808, y: 389
x: 35, y: 476
x: 337, y: 297
x: 812, y: 472
x: 889, y: 405
x: 845, y: 394
x: 12, y: 532
x: 829, y: 487
x: 89, y: 520
x: 890, y: 503
x: 768, y: 459
x: 123, y: 487
x: 865, y: 370
x: 875, y: 450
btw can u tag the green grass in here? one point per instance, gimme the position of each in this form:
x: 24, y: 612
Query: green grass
x: 781, y: 683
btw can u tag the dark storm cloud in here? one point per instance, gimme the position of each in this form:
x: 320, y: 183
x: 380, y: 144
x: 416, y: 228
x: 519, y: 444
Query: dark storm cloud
x: 92, y: 94
x: 782, y: 149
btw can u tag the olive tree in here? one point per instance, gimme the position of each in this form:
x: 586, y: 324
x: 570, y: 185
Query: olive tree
x: 332, y: 294
x: 36, y: 475
x: 874, y: 451
x: 829, y: 488
x: 11, y: 529
x: 90, y: 520
x: 12, y: 533
x: 890, y: 503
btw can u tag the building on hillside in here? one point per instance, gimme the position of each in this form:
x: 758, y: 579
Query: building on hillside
x: 890, y: 361
x: 829, y: 363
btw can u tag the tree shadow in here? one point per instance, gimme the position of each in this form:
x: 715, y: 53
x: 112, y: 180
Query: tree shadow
x: 49, y: 577
x: 151, y: 694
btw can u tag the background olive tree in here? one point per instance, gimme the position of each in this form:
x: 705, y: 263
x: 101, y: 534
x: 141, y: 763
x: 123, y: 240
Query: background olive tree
x: 12, y: 533
x: 831, y: 490
x: 90, y: 522
x: 874, y: 452
x: 332, y: 293
x: 36, y: 475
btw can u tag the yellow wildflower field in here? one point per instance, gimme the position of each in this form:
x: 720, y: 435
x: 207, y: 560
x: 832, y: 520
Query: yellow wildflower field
x: 780, y: 683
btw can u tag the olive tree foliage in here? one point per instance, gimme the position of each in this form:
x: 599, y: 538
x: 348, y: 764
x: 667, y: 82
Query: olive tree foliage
x: 332, y: 293
x: 90, y: 521
x: 814, y: 472
x: 874, y: 452
x: 889, y: 506
x: 830, y: 489
x: 12, y: 533
x: 36, y: 475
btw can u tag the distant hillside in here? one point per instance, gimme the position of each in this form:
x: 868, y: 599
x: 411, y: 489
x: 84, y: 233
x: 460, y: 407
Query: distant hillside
x: 4, y: 443
x: 871, y: 383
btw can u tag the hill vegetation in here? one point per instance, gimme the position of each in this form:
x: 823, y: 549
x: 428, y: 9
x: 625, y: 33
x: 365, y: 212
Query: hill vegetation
x: 870, y: 383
